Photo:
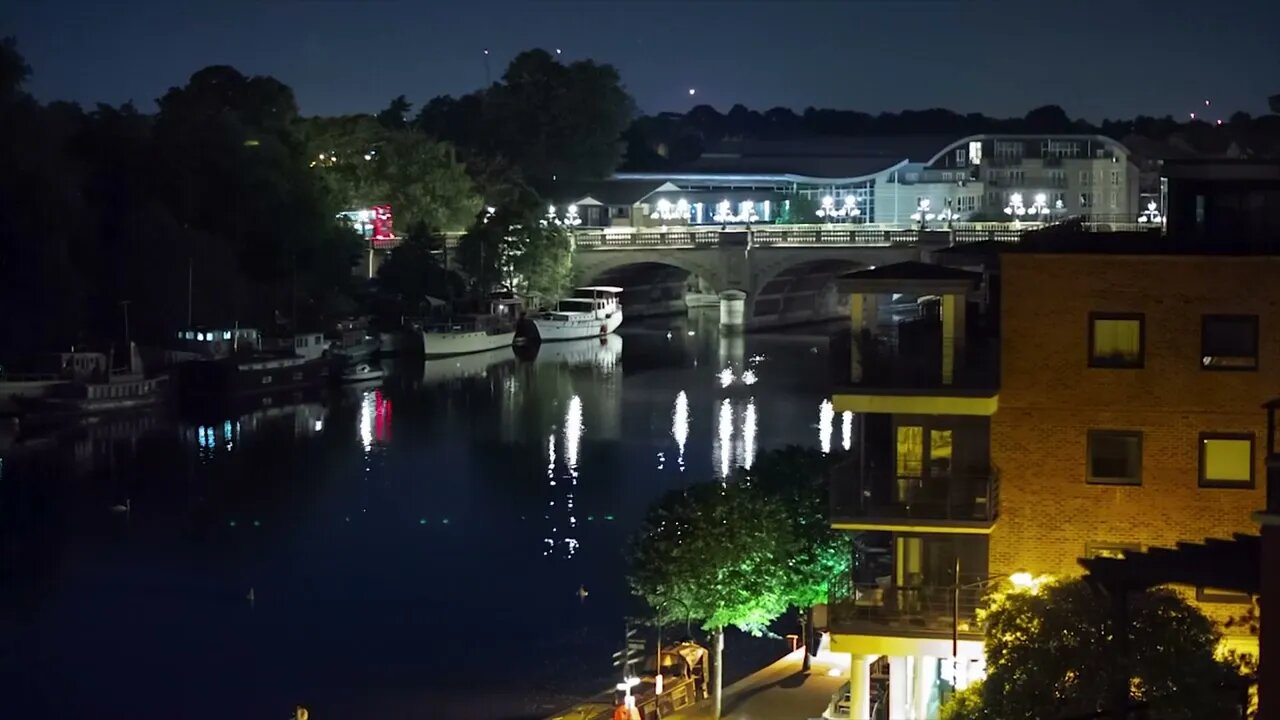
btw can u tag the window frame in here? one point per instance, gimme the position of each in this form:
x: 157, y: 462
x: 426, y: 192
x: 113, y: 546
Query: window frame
x: 1091, y: 549
x: 1223, y: 595
x: 1094, y: 362
x: 1088, y: 457
x: 1227, y: 484
x: 1204, y: 326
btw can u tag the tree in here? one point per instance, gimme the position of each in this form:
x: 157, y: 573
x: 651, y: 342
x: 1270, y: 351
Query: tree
x: 717, y: 553
x: 519, y: 248
x: 396, y: 114
x: 795, y: 479
x: 1054, y: 653
x: 363, y: 163
x: 412, y: 272
x: 556, y: 124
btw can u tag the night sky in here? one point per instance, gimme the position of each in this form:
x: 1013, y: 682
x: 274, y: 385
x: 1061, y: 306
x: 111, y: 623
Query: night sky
x: 1096, y: 58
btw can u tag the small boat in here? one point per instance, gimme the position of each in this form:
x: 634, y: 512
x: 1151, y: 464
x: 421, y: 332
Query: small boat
x: 474, y: 333
x: 363, y: 372
x: 217, y: 365
x: 117, y: 393
x: 593, y: 311
x: 45, y: 372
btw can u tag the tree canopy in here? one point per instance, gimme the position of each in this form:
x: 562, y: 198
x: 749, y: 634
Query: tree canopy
x: 1053, y: 653
x: 112, y: 205
x: 364, y: 161
x: 559, y: 124
x: 740, y: 554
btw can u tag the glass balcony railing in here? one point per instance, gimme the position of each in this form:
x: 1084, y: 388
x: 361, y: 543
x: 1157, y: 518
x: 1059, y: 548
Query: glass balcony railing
x: 920, y: 610
x: 925, y: 364
x: 961, y: 498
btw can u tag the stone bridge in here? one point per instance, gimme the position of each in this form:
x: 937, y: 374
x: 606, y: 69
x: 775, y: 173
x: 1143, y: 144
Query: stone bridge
x: 782, y: 276
x: 765, y: 276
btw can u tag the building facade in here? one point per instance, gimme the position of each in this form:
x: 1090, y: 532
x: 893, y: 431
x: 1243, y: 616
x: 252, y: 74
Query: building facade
x: 878, y: 180
x: 1022, y: 408
x: 1133, y: 419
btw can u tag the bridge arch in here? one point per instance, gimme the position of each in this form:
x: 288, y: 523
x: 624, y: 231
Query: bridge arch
x: 799, y: 290
x: 653, y: 283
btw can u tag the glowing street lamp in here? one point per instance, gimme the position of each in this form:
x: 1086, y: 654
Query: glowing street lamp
x: 1151, y: 214
x: 849, y: 209
x: 923, y: 214
x: 571, y: 217
x: 1039, y: 205
x: 667, y: 210
x: 1015, y: 209
x: 724, y: 212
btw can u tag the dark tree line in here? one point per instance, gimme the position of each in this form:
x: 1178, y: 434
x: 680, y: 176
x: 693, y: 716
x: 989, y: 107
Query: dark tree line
x: 206, y: 207
x: 658, y: 141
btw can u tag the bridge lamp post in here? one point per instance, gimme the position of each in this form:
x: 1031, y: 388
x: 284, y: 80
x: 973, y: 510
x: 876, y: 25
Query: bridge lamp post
x: 849, y: 209
x: 923, y: 214
x: 1015, y: 209
x: 1151, y: 214
x: 1039, y: 207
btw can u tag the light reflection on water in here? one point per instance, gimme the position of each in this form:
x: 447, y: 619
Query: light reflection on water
x: 506, y: 482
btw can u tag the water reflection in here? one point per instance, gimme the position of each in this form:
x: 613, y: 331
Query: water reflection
x: 680, y: 425
x: 826, y: 416
x: 375, y: 419
x: 539, y: 467
x: 846, y: 429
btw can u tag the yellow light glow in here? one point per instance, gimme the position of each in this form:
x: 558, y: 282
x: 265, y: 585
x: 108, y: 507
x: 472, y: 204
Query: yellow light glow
x: 1022, y: 580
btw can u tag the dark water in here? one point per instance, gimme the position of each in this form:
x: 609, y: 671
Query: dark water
x: 413, y: 550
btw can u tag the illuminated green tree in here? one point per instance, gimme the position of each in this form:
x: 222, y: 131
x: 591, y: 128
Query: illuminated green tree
x: 795, y: 479
x: 718, y: 553
x: 1054, y: 653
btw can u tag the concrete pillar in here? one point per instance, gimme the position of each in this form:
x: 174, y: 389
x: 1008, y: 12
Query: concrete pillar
x: 898, y: 688
x: 860, y: 686
x: 953, y: 318
x: 733, y: 309
x: 924, y: 674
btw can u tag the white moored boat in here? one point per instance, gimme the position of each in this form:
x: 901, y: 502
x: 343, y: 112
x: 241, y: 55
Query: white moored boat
x: 475, y: 333
x: 593, y: 311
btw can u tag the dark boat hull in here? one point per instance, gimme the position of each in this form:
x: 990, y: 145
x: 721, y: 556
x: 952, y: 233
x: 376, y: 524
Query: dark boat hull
x: 222, y: 380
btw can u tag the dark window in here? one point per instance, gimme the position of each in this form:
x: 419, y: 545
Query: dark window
x: 1116, y: 340
x: 1110, y: 550
x: 1226, y: 460
x: 1221, y: 595
x: 1115, y: 457
x: 619, y: 211
x: 1229, y: 342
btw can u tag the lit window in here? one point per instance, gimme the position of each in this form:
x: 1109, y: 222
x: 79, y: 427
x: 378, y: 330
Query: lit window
x: 191, y: 335
x: 226, y: 334
x: 1229, y: 342
x: 1115, y: 340
x: 1226, y: 460
x: 200, y: 337
x: 975, y: 152
x: 1115, y: 457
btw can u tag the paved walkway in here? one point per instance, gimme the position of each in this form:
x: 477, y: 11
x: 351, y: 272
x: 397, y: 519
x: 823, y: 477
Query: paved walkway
x: 780, y: 691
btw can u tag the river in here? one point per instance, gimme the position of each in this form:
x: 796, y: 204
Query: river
x: 417, y: 549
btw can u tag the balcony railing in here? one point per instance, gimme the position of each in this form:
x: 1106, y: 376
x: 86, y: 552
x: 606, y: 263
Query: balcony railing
x: 919, y: 610
x: 917, y: 364
x: 962, y: 498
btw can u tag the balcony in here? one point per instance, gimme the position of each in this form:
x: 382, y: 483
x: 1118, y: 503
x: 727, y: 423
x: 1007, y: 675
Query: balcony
x: 957, y: 501
x: 914, y: 357
x: 923, y: 611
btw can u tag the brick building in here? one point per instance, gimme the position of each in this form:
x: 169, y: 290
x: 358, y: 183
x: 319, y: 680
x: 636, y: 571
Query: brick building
x: 1132, y: 420
x: 1020, y: 408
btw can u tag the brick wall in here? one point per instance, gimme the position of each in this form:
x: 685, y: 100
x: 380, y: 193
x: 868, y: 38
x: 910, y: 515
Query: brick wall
x: 1050, y: 398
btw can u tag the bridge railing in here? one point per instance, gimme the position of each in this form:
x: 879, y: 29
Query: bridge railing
x: 845, y: 235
